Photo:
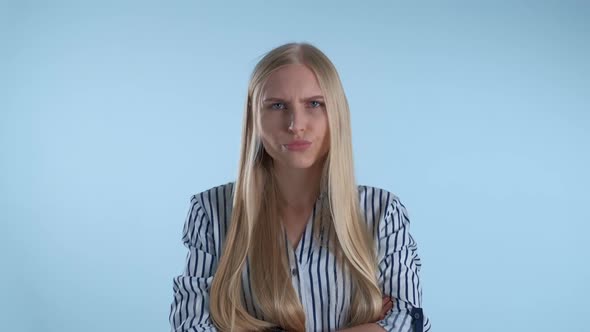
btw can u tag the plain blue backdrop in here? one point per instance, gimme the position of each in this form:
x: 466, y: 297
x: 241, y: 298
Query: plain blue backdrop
x: 113, y: 113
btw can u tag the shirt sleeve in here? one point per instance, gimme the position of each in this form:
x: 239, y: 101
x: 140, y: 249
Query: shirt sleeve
x: 189, y: 310
x: 399, y: 267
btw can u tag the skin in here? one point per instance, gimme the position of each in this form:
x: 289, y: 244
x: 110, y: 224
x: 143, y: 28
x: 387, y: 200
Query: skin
x: 373, y: 327
x: 293, y: 108
x: 293, y: 92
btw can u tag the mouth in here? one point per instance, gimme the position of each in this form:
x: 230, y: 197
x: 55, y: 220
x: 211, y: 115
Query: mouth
x: 298, y: 146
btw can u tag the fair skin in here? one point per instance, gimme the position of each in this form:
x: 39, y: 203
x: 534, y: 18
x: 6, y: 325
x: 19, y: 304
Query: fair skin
x: 293, y: 108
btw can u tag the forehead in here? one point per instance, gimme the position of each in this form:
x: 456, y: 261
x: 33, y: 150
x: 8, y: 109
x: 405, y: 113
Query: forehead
x: 291, y: 79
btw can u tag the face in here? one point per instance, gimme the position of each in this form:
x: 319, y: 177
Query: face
x: 294, y: 110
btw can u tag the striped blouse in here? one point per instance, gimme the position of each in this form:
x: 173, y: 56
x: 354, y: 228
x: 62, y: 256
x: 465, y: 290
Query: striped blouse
x: 323, y: 286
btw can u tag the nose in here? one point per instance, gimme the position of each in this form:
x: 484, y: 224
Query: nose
x: 296, y: 120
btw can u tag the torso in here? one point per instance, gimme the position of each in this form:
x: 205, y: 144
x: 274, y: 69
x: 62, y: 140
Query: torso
x: 294, y: 225
x: 323, y: 286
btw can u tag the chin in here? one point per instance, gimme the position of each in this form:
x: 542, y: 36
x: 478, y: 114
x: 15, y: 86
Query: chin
x: 300, y: 163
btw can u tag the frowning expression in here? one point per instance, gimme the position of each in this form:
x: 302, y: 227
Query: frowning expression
x: 294, y: 121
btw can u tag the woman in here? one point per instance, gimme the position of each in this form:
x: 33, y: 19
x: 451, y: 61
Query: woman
x: 294, y: 243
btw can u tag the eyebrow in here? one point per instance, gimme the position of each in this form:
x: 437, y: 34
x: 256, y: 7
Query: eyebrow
x: 266, y: 100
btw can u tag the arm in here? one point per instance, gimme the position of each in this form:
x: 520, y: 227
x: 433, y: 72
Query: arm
x: 189, y: 310
x: 399, y: 267
x: 371, y: 327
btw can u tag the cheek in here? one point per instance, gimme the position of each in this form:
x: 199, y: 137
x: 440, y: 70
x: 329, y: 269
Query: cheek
x: 270, y: 123
x: 323, y: 128
x: 268, y: 146
x: 269, y: 135
x: 267, y: 141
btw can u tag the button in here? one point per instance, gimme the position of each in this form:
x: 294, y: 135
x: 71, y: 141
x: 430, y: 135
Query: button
x: 417, y: 317
x: 294, y: 271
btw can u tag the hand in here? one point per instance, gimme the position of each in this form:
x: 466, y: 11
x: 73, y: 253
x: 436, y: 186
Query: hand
x: 387, y: 305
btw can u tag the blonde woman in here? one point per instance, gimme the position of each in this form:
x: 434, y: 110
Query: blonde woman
x: 294, y: 243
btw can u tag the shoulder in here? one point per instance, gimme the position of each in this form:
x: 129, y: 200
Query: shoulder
x: 212, y: 205
x: 382, y: 207
x: 209, y: 211
x: 214, y: 198
x: 374, y: 195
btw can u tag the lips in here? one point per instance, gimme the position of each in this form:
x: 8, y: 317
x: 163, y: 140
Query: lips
x: 298, y: 142
x: 298, y: 145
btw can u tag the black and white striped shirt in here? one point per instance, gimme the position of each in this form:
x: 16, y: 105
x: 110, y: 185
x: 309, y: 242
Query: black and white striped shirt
x: 323, y: 286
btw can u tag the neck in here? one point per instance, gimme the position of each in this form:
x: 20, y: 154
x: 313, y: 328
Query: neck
x: 299, y: 188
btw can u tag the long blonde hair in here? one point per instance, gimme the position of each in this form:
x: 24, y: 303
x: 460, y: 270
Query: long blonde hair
x: 254, y: 232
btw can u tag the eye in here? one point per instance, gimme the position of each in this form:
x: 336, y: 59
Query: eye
x: 316, y: 104
x: 277, y: 106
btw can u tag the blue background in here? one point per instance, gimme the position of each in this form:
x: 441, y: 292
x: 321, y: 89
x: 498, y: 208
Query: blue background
x: 476, y: 114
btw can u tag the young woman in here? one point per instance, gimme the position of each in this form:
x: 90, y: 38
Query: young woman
x: 294, y: 243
